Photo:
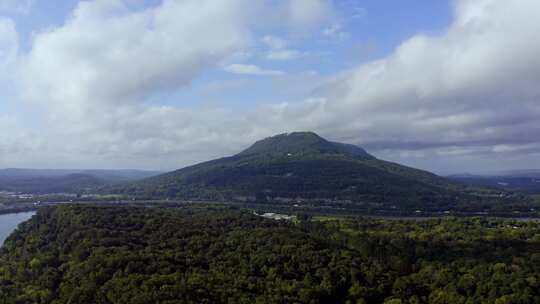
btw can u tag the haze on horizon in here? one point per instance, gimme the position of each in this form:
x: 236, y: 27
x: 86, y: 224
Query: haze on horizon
x: 447, y: 86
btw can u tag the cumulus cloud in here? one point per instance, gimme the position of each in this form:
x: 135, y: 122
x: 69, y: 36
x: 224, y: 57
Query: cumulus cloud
x: 472, y: 90
x: 90, y: 77
x: 107, y: 55
x: 249, y: 69
x: 473, y: 86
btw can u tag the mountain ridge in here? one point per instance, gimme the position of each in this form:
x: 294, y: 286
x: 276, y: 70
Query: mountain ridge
x: 301, y: 166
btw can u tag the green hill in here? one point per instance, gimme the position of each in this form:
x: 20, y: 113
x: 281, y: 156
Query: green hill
x: 302, y: 166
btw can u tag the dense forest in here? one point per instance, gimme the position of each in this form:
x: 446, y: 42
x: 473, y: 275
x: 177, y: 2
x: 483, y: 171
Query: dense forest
x: 212, y: 254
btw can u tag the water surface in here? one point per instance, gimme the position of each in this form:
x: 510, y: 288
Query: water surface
x: 9, y: 222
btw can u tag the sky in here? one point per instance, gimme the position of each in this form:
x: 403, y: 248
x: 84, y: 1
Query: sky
x: 446, y: 86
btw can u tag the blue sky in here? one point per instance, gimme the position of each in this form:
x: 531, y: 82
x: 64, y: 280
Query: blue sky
x: 161, y: 84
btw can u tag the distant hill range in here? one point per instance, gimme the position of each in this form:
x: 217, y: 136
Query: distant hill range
x: 46, y: 181
x: 526, y: 181
x: 303, y: 166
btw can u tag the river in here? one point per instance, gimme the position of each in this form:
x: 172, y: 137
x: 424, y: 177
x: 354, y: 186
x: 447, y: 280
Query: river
x: 8, y: 223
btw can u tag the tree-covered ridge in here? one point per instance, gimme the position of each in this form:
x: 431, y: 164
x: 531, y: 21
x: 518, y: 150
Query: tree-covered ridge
x: 86, y: 254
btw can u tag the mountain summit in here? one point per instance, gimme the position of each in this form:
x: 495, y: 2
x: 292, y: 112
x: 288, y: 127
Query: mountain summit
x: 302, y: 144
x: 301, y: 166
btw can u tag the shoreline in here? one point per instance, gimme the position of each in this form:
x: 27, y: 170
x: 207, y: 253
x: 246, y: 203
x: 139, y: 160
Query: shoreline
x: 18, y: 210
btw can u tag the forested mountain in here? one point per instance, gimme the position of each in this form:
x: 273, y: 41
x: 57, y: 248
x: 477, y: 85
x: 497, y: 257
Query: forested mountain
x: 302, y: 166
x: 90, y: 254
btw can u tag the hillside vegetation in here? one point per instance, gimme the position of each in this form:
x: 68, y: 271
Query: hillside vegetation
x: 303, y: 166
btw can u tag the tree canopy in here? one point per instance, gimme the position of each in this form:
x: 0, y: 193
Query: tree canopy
x: 93, y: 254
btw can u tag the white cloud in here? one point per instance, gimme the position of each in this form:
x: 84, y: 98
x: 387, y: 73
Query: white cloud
x: 274, y: 42
x: 472, y: 86
x: 89, y: 79
x: 9, y: 43
x: 335, y: 31
x: 283, y: 55
x: 107, y: 55
x: 470, y: 91
x: 279, y: 51
x: 16, y: 6
x: 249, y: 69
x: 224, y: 85
x: 304, y: 15
x: 91, y: 75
